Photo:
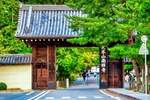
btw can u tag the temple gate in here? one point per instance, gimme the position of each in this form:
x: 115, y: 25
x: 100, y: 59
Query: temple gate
x: 44, y: 27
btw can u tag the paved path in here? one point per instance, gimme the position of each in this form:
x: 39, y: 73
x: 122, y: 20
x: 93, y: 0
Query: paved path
x: 92, y: 84
x: 80, y: 84
x: 129, y: 93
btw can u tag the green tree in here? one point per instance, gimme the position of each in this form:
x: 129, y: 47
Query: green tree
x: 2, y: 50
x: 71, y: 61
x: 110, y: 23
x: 8, y: 24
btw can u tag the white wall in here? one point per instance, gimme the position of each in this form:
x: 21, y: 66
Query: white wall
x: 16, y: 76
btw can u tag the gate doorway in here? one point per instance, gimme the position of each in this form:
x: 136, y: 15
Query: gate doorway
x: 114, y: 74
x: 41, y: 76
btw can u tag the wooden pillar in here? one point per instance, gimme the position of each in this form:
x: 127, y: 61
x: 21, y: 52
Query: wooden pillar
x: 51, y: 63
x: 121, y: 69
x: 103, y: 68
x: 34, y: 73
x: 122, y: 62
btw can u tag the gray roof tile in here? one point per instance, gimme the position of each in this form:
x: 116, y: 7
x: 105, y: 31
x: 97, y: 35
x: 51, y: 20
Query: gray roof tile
x: 11, y: 59
x: 17, y: 59
x: 38, y: 21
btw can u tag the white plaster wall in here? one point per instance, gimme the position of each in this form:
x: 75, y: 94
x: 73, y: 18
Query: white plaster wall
x: 16, y: 76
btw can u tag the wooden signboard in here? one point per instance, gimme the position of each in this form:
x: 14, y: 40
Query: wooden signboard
x: 103, y: 68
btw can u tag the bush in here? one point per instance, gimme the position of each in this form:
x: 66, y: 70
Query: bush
x: 3, y: 86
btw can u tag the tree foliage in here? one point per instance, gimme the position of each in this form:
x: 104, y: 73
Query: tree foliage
x: 110, y: 22
x: 107, y: 23
x: 113, y: 23
x: 73, y: 60
x: 128, y: 67
x: 69, y: 60
x: 8, y: 24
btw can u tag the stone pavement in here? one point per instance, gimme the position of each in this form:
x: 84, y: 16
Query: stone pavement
x: 130, y: 94
x: 80, y: 84
x: 93, y: 84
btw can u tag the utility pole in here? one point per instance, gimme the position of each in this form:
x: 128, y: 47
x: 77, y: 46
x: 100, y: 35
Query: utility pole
x: 144, y: 51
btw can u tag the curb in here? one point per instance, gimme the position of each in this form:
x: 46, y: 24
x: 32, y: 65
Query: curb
x: 123, y: 95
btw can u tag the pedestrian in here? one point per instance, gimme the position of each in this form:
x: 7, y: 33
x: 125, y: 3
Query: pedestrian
x: 131, y: 80
x: 94, y: 74
x: 127, y: 76
x: 84, y: 75
x: 89, y: 72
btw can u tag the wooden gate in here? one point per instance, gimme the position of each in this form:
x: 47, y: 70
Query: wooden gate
x: 43, y: 67
x: 114, y: 74
x: 41, y: 77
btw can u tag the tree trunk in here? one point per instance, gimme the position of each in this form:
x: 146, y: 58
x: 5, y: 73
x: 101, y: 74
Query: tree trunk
x: 142, y: 68
x: 136, y: 72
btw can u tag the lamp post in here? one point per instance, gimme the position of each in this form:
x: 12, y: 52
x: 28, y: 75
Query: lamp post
x: 144, y: 50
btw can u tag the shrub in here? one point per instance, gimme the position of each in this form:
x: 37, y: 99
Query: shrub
x: 3, y: 86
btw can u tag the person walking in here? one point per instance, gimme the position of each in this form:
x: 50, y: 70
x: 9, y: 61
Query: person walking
x: 127, y: 76
x: 131, y: 80
x: 84, y: 75
x: 89, y: 72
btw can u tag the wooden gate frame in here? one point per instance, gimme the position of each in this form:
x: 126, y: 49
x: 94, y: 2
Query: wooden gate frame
x: 49, y: 61
x: 38, y: 31
x: 104, y: 63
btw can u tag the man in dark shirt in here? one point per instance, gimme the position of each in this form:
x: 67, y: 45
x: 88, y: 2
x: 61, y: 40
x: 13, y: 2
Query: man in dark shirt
x: 84, y: 75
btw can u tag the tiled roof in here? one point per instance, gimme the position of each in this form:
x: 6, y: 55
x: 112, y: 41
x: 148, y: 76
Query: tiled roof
x: 45, y: 21
x: 11, y: 59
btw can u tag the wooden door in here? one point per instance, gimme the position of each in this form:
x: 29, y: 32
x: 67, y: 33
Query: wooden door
x: 113, y: 75
x: 41, y: 77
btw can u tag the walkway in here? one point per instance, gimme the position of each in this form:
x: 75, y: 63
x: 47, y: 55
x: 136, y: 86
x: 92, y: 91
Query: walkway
x: 93, y: 84
x: 129, y: 93
x: 80, y: 84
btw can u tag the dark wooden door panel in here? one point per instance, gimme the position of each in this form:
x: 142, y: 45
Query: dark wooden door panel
x: 116, y: 80
x: 41, y: 78
x: 113, y: 75
x: 110, y: 81
x: 41, y: 53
